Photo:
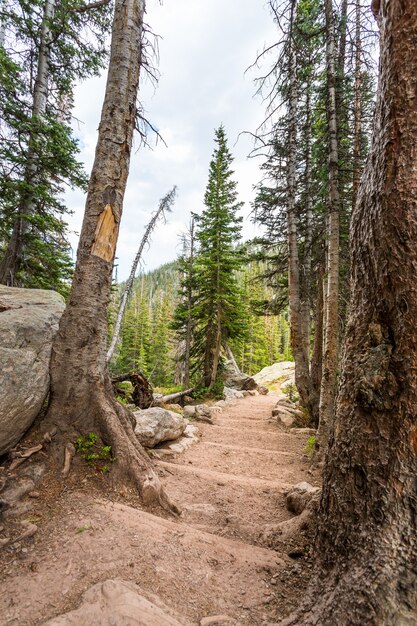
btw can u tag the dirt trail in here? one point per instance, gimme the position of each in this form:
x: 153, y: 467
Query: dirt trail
x: 213, y: 560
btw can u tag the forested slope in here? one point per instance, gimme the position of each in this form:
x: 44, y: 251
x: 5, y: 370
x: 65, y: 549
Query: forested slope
x: 149, y: 343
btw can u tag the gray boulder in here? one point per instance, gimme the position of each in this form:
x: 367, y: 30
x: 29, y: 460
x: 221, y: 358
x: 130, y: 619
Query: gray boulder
x: 232, y: 394
x: 278, y: 372
x: 239, y: 381
x: 234, y: 379
x: 29, y: 320
x: 299, y: 496
x: 156, y: 425
x: 285, y: 419
x: 115, y: 602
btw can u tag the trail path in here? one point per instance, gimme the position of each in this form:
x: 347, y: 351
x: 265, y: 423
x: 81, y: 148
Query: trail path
x: 213, y: 560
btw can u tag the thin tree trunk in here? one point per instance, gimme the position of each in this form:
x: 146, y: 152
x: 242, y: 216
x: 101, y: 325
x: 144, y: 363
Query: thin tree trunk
x: 331, y: 329
x: 12, y: 258
x: 298, y: 344
x: 317, y: 355
x: 81, y: 394
x: 164, y: 205
x: 3, y: 23
x: 190, y: 324
x: 232, y: 359
x: 366, y: 548
x: 357, y: 124
x: 308, y: 237
x: 216, y: 351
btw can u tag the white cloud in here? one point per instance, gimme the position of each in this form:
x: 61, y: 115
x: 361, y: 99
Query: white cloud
x: 204, y: 51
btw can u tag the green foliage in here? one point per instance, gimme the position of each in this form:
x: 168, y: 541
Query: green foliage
x: 217, y: 309
x: 82, y: 529
x: 291, y: 392
x: 38, y: 154
x: 215, y: 392
x: 265, y: 340
x: 93, y: 453
x: 310, y: 446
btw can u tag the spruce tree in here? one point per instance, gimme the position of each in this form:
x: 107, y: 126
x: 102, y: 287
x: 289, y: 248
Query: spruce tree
x: 217, y: 308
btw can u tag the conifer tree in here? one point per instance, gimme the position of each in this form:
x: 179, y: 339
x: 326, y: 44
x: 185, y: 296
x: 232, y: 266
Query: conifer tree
x: 217, y: 310
x: 46, y: 46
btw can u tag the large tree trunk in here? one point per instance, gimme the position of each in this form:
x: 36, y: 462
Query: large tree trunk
x: 81, y: 395
x: 366, y: 548
x: 12, y: 258
x: 331, y: 334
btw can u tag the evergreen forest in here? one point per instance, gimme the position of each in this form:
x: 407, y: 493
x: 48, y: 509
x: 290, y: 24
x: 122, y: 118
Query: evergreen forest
x: 150, y: 471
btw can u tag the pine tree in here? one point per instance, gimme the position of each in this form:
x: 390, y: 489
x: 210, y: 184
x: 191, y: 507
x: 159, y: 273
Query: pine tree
x: 217, y: 310
x: 45, y: 47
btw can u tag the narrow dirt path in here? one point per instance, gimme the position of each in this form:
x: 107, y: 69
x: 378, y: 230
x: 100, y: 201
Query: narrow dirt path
x: 214, y: 560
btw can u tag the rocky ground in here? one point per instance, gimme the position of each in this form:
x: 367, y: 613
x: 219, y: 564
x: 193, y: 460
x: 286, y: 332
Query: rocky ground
x: 227, y: 560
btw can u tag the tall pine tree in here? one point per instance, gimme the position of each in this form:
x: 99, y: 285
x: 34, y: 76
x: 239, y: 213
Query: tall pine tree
x: 217, y: 308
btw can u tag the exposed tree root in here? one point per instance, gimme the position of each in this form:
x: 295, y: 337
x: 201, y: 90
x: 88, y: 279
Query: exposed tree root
x: 31, y: 529
x: 101, y: 413
x: 20, y: 456
x: 132, y: 461
x: 68, y: 456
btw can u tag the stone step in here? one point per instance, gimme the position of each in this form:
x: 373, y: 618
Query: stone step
x: 222, y: 477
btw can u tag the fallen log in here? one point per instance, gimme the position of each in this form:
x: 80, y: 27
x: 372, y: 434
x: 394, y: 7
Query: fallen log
x: 175, y: 396
x: 142, y: 394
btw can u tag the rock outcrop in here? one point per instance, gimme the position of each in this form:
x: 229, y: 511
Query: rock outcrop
x: 156, y: 425
x: 278, y: 372
x: 235, y: 379
x: 29, y: 320
x: 115, y: 602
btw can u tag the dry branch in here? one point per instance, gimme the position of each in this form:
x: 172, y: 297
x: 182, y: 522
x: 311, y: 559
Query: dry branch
x: 165, y: 205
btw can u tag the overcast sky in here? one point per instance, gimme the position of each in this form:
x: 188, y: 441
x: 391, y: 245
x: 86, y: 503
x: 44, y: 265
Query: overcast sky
x: 205, y: 47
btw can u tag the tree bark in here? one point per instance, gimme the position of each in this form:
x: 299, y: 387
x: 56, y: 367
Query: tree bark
x: 305, y: 305
x: 81, y: 394
x: 317, y: 355
x: 366, y: 547
x: 298, y: 343
x: 331, y: 334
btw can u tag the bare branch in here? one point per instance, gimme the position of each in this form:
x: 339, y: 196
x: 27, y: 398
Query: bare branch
x: 165, y: 205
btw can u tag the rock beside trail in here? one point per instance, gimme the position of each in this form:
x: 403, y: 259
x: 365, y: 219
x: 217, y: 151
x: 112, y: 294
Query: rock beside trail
x: 115, y: 602
x: 233, y: 379
x: 287, y: 414
x: 285, y: 419
x: 156, y: 425
x: 299, y: 496
x: 29, y: 320
x: 239, y: 381
x: 202, y: 412
x: 232, y: 394
x: 283, y: 372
